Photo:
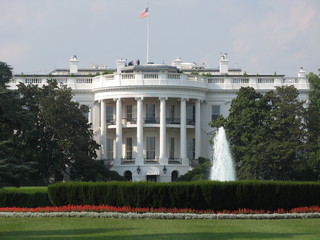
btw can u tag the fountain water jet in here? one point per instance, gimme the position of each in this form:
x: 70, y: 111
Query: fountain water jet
x: 222, y: 164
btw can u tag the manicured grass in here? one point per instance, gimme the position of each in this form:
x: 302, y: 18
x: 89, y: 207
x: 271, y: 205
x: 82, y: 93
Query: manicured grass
x: 127, y: 229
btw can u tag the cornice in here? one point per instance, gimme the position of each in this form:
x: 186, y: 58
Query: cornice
x: 116, y: 88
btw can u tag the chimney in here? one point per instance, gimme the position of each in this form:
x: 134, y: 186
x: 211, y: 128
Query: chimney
x: 73, y: 64
x: 120, y: 64
x: 301, y: 73
x: 177, y: 63
x: 223, y: 64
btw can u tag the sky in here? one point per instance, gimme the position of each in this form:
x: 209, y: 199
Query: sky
x: 260, y: 36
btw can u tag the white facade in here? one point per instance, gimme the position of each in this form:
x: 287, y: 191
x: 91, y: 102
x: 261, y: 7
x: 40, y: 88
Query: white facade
x: 152, y: 120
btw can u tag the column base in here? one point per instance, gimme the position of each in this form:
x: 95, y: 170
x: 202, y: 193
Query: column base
x: 139, y: 160
x: 163, y: 161
x: 117, y: 161
x: 185, y: 161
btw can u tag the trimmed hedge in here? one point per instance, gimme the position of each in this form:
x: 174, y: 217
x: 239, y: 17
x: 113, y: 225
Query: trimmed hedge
x: 266, y: 195
x: 24, y: 197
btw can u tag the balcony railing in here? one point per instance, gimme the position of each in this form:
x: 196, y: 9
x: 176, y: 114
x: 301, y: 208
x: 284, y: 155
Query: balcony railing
x: 108, y: 162
x: 173, y: 120
x: 152, y: 120
x: 175, y: 161
x: 111, y: 121
x: 191, y: 122
x: 151, y: 161
x: 129, y: 120
x: 127, y: 161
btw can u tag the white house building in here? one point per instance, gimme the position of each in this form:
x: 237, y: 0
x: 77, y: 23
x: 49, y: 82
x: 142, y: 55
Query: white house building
x: 152, y: 119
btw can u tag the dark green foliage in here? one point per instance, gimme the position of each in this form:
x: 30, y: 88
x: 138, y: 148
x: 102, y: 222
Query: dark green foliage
x: 313, y: 115
x: 5, y: 74
x: 94, y: 170
x: 16, y: 165
x: 267, y: 195
x: 60, y: 137
x: 267, y: 134
x: 200, y: 172
x: 24, y: 197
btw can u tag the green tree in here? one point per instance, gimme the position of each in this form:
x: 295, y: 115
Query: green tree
x: 15, y: 164
x: 200, y: 172
x: 266, y: 133
x: 60, y: 136
x: 313, y: 123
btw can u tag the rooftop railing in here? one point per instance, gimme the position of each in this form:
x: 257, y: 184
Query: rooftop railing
x: 163, y: 78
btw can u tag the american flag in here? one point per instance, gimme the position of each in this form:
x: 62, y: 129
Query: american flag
x: 144, y: 13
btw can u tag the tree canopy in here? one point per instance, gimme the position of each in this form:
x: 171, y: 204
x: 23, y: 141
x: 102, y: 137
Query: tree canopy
x: 15, y: 164
x: 60, y: 134
x: 267, y: 133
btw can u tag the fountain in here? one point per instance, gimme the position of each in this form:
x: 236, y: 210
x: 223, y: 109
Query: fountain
x: 222, y: 164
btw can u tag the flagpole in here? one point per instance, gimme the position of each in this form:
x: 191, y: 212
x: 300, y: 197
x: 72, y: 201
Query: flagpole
x: 148, y: 35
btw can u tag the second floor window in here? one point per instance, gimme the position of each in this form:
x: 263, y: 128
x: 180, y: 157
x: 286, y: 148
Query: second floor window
x: 129, y: 112
x: 191, y: 114
x: 215, y: 112
x: 110, y: 114
x: 171, y: 153
x: 110, y: 148
x: 151, y: 111
x: 151, y: 148
x: 129, y: 148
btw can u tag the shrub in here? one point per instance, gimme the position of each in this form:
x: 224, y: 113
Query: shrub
x: 201, y: 195
x: 24, y: 197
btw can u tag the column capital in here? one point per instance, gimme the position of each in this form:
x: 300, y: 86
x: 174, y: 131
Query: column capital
x: 163, y: 98
x: 116, y: 99
x: 138, y: 98
x: 183, y: 99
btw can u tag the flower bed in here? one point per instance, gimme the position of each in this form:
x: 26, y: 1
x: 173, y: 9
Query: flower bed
x: 104, y: 211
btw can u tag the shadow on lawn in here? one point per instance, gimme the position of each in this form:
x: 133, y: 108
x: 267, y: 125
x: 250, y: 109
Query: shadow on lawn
x: 104, y: 233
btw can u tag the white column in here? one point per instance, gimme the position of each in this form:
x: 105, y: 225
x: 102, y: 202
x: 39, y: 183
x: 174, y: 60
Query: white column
x: 95, y: 115
x: 139, y: 157
x: 118, y: 131
x: 183, y: 130
x: 198, y: 130
x: 103, y: 127
x: 163, y: 136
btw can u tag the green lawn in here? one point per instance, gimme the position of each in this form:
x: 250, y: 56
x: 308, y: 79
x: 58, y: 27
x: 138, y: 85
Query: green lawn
x: 125, y: 229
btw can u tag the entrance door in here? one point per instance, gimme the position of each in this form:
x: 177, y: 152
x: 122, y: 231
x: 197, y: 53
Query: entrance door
x: 151, y: 178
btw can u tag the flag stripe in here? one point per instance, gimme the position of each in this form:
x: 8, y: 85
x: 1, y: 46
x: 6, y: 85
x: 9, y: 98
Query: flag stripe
x: 144, y: 13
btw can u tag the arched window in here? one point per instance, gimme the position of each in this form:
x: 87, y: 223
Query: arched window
x: 174, y: 175
x: 128, y: 175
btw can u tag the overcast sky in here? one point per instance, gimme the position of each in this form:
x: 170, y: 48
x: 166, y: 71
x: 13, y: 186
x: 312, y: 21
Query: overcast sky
x: 260, y: 36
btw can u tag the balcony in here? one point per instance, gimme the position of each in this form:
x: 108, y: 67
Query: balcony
x: 151, y: 161
x: 175, y: 161
x: 129, y: 160
x: 173, y: 120
x: 149, y: 79
x: 129, y: 121
x: 152, y: 120
x: 111, y: 121
x: 108, y: 162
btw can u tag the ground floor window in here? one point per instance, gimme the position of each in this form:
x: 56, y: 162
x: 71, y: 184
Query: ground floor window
x: 152, y: 178
x: 171, y: 153
x: 151, y: 147
x: 129, y: 148
x: 191, y: 148
x: 174, y: 176
x: 110, y: 148
x: 128, y: 175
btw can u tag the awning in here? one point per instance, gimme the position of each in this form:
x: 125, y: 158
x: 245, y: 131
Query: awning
x: 153, y: 171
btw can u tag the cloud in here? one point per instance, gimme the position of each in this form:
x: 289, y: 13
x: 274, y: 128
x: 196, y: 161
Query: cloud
x: 14, y: 52
x: 98, y: 6
x: 282, y: 29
